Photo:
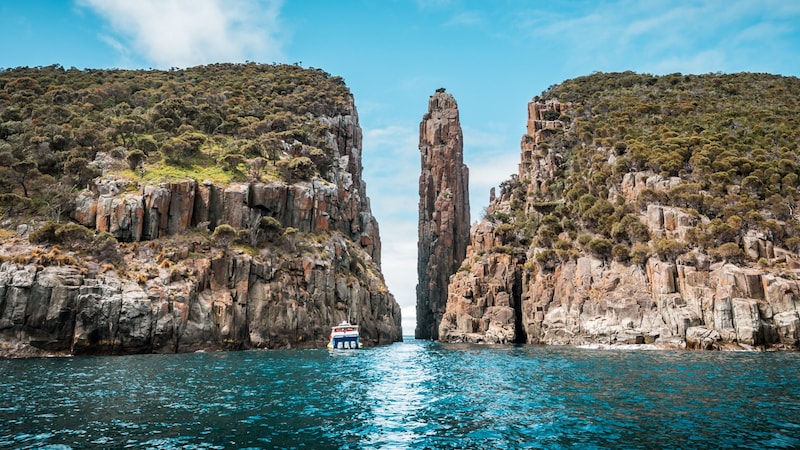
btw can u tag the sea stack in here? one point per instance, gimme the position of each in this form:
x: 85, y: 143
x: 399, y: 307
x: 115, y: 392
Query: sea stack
x: 443, y: 210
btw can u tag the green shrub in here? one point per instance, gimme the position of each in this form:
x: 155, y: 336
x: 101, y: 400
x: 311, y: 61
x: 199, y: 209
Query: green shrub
x: 620, y: 252
x: 178, y: 151
x: 504, y: 230
x: 14, y: 202
x: 296, y: 169
x: 584, y: 239
x: 231, y: 161
x: 69, y: 234
x: 639, y: 253
x: 729, y: 251
x: 562, y: 244
x: 793, y: 244
x: 224, y: 235
x: 548, y: 259
x: 630, y: 229
x: 147, y: 144
x: 269, y: 229
x: 46, y: 234
x: 668, y: 248
x: 320, y: 159
x: 74, y: 233
x: 106, y: 248
x: 135, y: 158
x: 600, y: 247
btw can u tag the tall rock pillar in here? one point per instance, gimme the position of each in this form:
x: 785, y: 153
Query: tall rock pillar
x: 443, y: 210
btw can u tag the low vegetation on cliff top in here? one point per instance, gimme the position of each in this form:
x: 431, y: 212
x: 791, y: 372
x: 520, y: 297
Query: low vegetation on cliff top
x: 61, y: 128
x: 722, y: 148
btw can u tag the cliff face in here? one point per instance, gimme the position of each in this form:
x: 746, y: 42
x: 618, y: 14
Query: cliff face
x: 174, y: 288
x: 443, y: 210
x: 315, y: 206
x: 218, y: 301
x: 660, y: 290
x: 698, y: 305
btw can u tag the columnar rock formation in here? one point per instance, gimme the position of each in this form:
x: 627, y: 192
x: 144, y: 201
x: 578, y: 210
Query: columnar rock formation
x: 156, y: 211
x: 443, y: 210
x: 503, y: 294
x: 174, y: 290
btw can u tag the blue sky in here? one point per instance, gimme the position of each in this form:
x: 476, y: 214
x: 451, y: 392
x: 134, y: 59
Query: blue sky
x: 492, y: 55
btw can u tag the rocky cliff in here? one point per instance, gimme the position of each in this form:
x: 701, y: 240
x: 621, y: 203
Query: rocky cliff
x: 629, y: 262
x: 134, y: 212
x: 443, y: 210
x: 186, y: 264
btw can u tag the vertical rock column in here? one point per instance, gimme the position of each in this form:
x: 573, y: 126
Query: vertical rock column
x: 443, y: 210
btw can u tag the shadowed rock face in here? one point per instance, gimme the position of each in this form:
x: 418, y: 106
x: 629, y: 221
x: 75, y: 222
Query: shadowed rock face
x: 443, y: 210
x: 211, y: 300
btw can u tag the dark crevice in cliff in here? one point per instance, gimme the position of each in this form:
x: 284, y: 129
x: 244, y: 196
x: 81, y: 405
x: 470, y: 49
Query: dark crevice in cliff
x: 313, y: 210
x: 520, y: 336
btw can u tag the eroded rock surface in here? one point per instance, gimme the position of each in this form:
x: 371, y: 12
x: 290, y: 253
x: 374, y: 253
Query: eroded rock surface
x: 503, y: 294
x: 443, y: 210
x: 174, y: 290
x: 196, y: 299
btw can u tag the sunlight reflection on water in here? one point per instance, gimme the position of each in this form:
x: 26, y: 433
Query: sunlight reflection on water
x: 397, y: 395
x: 415, y: 394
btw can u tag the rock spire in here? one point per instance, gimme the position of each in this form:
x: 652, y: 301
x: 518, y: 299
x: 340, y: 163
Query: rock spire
x: 443, y: 210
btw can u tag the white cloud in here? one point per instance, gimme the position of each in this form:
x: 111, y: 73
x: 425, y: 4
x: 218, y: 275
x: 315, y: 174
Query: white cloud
x: 391, y: 170
x: 183, y: 33
x: 433, y: 4
x: 491, y: 159
x: 676, y: 36
x: 392, y: 136
x: 465, y: 18
x: 399, y: 266
x: 391, y: 158
x: 703, y: 62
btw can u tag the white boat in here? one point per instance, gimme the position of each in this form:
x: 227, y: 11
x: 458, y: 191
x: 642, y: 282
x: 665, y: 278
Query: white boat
x: 344, y: 336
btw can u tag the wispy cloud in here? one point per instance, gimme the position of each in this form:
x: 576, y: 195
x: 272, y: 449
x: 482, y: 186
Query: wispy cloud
x: 182, y: 33
x: 391, y: 169
x: 666, y: 35
x: 399, y: 265
x: 433, y: 4
x: 465, y: 18
x: 392, y: 159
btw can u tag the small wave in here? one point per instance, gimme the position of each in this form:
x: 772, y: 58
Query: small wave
x: 623, y: 347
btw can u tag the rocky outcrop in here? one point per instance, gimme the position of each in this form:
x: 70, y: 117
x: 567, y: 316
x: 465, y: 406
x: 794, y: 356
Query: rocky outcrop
x: 167, y: 295
x: 443, y: 210
x: 484, y: 296
x: 594, y: 301
x: 173, y: 208
x: 187, y: 302
x: 503, y: 294
x: 336, y: 203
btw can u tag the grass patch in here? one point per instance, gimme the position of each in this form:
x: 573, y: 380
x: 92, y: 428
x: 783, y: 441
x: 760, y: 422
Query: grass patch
x: 246, y: 249
x: 7, y: 234
x: 158, y: 173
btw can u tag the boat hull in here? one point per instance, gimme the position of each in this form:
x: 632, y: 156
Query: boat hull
x: 345, y: 343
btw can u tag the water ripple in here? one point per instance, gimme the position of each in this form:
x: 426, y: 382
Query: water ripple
x: 409, y: 395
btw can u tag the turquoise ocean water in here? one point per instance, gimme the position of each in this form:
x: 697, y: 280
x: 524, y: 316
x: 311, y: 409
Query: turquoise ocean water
x: 415, y: 394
